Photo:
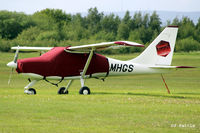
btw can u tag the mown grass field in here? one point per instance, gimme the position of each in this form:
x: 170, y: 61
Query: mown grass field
x: 120, y: 104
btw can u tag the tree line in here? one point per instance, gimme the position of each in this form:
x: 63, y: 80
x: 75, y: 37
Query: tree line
x: 54, y: 27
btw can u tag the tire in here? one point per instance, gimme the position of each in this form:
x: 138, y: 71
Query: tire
x: 32, y: 91
x: 62, y: 91
x: 84, y: 91
x: 66, y: 92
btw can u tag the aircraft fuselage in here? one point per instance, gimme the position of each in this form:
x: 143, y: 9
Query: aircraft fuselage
x: 57, y: 64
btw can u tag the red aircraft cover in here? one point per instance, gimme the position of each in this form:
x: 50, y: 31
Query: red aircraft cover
x: 57, y: 62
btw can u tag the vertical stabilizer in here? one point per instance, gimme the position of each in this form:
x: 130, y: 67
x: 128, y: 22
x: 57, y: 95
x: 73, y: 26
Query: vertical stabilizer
x: 160, y: 51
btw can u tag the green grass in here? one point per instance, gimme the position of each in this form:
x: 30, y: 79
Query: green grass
x: 120, y: 104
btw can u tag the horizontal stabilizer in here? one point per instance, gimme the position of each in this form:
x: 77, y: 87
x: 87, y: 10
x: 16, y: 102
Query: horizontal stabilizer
x: 170, y: 67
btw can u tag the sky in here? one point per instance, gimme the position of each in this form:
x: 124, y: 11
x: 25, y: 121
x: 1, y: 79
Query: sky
x: 74, y: 6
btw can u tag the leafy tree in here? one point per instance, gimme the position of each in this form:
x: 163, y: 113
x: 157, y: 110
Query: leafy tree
x: 197, y: 31
x: 145, y: 34
x: 55, y: 19
x: 5, y: 45
x: 29, y: 34
x: 125, y: 27
x: 135, y: 36
x: 187, y: 45
x: 154, y: 22
x: 48, y: 35
x: 137, y: 20
x: 127, y: 18
x: 78, y: 19
x: 198, y: 23
x: 43, y: 21
x: 10, y: 28
x: 186, y: 28
x: 110, y: 23
x: 104, y: 36
x: 57, y: 15
x: 76, y: 29
x: 176, y: 21
x: 13, y: 23
x: 93, y: 19
x: 145, y: 20
x: 123, y: 31
x: 53, y: 27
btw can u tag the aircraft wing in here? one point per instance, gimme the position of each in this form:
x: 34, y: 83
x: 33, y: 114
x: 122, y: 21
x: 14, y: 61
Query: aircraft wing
x: 83, y: 48
x: 32, y: 48
x: 103, y: 45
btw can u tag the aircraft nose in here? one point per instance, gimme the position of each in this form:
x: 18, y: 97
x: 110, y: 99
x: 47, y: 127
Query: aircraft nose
x: 12, y: 64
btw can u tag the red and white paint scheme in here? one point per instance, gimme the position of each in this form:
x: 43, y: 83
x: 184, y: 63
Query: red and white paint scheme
x: 81, y: 62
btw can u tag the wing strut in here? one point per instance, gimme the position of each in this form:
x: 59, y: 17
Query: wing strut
x: 86, y: 66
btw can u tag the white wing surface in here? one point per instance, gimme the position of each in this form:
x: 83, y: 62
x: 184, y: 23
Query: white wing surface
x: 103, y: 45
x: 83, y: 48
x: 32, y: 48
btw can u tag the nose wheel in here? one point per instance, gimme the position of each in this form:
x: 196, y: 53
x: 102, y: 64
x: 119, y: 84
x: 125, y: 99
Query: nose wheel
x: 30, y: 91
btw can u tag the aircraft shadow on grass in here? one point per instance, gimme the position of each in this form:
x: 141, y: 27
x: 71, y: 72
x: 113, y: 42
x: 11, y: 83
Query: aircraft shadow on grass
x: 148, y: 94
x: 190, y: 93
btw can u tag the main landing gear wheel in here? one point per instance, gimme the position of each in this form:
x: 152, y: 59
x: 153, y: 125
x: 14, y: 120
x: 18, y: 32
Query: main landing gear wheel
x: 31, y: 91
x: 84, y: 90
x: 62, y: 91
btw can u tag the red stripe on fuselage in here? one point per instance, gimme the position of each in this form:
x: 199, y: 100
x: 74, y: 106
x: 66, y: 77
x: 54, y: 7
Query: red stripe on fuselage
x: 57, y: 62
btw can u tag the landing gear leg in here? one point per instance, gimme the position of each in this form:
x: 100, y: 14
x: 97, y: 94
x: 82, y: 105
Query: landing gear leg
x: 64, y: 90
x: 84, y: 89
x: 29, y: 90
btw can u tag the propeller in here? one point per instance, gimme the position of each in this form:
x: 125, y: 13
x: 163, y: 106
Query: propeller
x: 10, y: 76
x: 13, y: 64
x: 16, y: 55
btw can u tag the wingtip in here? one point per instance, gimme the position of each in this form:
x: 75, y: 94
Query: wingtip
x: 173, y: 26
x: 126, y: 43
x: 185, y: 67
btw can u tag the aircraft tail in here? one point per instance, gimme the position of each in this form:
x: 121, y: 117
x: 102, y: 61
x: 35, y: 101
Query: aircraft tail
x: 160, y: 51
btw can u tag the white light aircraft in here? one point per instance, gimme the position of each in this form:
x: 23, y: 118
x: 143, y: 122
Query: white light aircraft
x: 81, y: 62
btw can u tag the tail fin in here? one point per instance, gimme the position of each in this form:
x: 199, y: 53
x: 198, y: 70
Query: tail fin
x: 161, y: 50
